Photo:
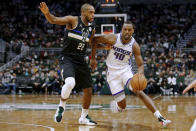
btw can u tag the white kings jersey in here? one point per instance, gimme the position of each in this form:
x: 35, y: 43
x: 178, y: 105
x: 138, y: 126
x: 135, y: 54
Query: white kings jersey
x: 120, y: 54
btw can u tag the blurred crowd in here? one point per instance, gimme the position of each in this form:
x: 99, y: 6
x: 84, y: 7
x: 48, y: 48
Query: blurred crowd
x: 157, y: 28
x: 22, y: 21
x: 39, y: 73
x: 163, y: 23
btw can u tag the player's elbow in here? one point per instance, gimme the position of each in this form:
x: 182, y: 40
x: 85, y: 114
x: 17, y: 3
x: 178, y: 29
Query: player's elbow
x: 51, y: 21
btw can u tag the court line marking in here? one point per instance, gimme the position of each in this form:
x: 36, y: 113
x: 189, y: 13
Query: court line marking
x: 15, y: 106
x: 12, y: 123
x: 156, y: 97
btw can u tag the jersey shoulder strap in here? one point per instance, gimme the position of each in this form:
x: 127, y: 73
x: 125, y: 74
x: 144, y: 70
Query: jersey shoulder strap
x: 118, y: 41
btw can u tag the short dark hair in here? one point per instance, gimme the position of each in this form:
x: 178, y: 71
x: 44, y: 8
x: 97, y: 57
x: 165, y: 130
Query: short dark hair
x: 85, y: 6
x: 129, y: 22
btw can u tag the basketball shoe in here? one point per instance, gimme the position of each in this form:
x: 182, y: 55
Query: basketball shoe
x: 59, y: 114
x: 87, y: 121
x: 164, y: 122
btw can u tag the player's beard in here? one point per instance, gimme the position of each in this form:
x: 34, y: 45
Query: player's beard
x: 126, y: 37
x: 88, y: 19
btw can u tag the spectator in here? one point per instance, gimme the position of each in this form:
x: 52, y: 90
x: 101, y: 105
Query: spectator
x: 172, y: 83
x: 36, y: 83
x: 52, y: 84
x: 152, y: 85
x: 9, y: 81
x: 99, y: 83
x: 180, y: 80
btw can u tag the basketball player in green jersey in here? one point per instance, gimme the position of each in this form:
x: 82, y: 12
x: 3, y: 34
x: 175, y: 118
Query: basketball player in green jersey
x: 74, y: 69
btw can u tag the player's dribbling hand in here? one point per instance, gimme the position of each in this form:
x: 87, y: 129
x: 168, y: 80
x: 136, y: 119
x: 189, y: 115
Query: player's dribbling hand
x: 93, y: 64
x: 44, y: 8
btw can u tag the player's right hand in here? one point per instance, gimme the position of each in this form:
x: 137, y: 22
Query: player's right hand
x: 93, y: 64
x: 44, y: 8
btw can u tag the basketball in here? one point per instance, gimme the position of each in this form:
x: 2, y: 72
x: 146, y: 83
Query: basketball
x: 138, y: 82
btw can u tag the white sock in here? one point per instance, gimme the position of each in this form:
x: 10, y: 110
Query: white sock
x: 157, y: 114
x: 84, y: 113
x: 62, y: 103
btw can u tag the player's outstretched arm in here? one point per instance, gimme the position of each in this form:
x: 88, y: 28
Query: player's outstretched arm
x: 93, y: 62
x: 66, y: 20
x: 95, y: 44
x: 190, y: 86
x: 103, y: 47
x: 108, y: 40
x: 138, y: 58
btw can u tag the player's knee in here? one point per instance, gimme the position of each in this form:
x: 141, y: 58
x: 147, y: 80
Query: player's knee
x: 63, y: 98
x: 70, y: 82
x: 67, y: 88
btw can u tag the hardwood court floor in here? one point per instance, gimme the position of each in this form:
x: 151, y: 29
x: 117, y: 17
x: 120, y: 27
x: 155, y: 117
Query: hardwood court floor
x: 35, y: 113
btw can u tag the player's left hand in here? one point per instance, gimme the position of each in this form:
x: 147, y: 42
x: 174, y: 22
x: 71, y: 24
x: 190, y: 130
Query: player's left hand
x: 140, y: 73
x: 93, y: 64
x: 44, y: 8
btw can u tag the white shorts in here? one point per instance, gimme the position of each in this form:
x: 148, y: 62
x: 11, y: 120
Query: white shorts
x: 118, y: 80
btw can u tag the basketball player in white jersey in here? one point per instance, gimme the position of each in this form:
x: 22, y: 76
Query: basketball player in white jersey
x: 122, y: 47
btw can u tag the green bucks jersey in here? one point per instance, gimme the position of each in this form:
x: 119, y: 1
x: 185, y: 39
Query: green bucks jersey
x: 77, y: 40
